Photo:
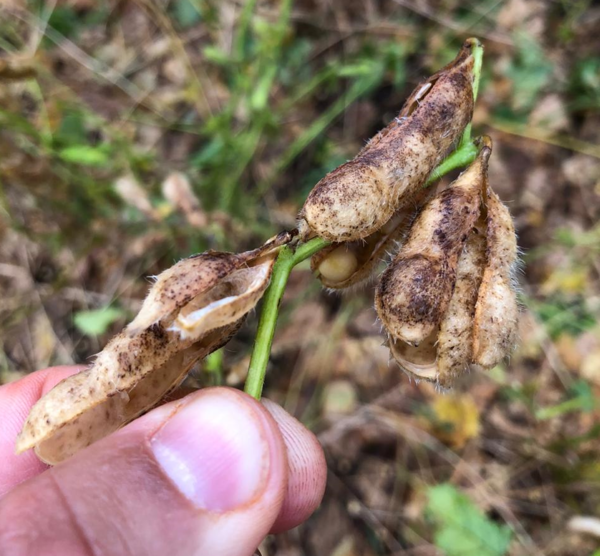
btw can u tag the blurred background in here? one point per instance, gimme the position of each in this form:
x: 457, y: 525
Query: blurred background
x: 137, y: 132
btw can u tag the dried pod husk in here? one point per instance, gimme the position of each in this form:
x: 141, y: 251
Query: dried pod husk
x: 414, y: 292
x: 94, y: 403
x: 455, y: 338
x: 446, y: 353
x: 360, y: 196
x: 342, y: 265
x: 418, y: 362
x: 179, y: 285
x: 497, y: 311
x: 191, y: 310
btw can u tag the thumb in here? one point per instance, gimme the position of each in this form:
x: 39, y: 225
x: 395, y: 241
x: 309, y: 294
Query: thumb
x: 204, y: 475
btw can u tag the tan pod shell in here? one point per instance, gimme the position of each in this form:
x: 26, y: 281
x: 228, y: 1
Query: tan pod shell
x: 360, y: 196
x: 455, y: 339
x: 497, y: 311
x: 418, y: 362
x: 414, y: 292
x: 180, y: 284
x: 191, y: 310
x: 98, y: 407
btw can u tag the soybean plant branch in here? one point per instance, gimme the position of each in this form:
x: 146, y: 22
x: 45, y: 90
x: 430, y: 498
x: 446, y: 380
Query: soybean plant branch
x: 286, y: 261
x: 460, y: 158
x: 288, y: 258
x: 477, y: 64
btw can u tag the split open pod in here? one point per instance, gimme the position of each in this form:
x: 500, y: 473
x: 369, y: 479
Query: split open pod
x: 343, y: 265
x: 448, y: 298
x: 192, y: 309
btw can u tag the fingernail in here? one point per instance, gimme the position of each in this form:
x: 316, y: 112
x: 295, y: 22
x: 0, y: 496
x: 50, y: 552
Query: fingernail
x: 215, y: 451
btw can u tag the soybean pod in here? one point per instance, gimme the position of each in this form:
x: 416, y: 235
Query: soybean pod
x: 359, y: 197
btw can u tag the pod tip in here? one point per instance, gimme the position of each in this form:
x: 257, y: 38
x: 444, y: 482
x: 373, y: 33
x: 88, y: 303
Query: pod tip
x: 485, y: 145
x: 473, y: 42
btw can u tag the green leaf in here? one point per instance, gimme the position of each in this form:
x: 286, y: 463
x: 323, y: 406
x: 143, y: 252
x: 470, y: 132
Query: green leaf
x: 216, y: 55
x: 64, y: 20
x: 85, y: 155
x: 462, y: 529
x: 97, y: 321
x: 72, y: 129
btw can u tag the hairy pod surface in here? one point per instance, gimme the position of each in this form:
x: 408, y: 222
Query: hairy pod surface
x: 455, y: 339
x: 497, y: 311
x: 413, y: 294
x: 342, y: 265
x: 360, y: 196
x: 192, y: 309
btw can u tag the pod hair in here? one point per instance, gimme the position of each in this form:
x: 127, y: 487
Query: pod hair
x: 192, y: 309
x: 359, y: 197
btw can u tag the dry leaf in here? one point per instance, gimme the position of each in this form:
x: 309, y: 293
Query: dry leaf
x: 457, y: 419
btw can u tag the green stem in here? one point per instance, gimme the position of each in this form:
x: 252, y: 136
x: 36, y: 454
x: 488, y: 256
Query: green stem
x: 477, y: 64
x: 286, y: 261
x: 460, y: 158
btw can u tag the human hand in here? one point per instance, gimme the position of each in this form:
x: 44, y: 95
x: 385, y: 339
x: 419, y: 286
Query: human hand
x: 212, y: 473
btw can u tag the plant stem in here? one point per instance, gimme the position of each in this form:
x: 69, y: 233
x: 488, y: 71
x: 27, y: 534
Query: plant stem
x: 477, y: 63
x: 286, y: 261
x: 460, y: 158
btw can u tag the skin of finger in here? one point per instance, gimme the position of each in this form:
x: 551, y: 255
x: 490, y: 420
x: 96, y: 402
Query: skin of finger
x: 16, y: 400
x: 307, y: 466
x: 307, y: 474
x: 113, y: 498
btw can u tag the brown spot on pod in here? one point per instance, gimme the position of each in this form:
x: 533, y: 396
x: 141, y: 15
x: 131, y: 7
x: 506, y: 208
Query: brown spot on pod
x: 140, y: 365
x: 342, y: 265
x: 360, y: 196
x: 496, y: 312
x: 414, y: 292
